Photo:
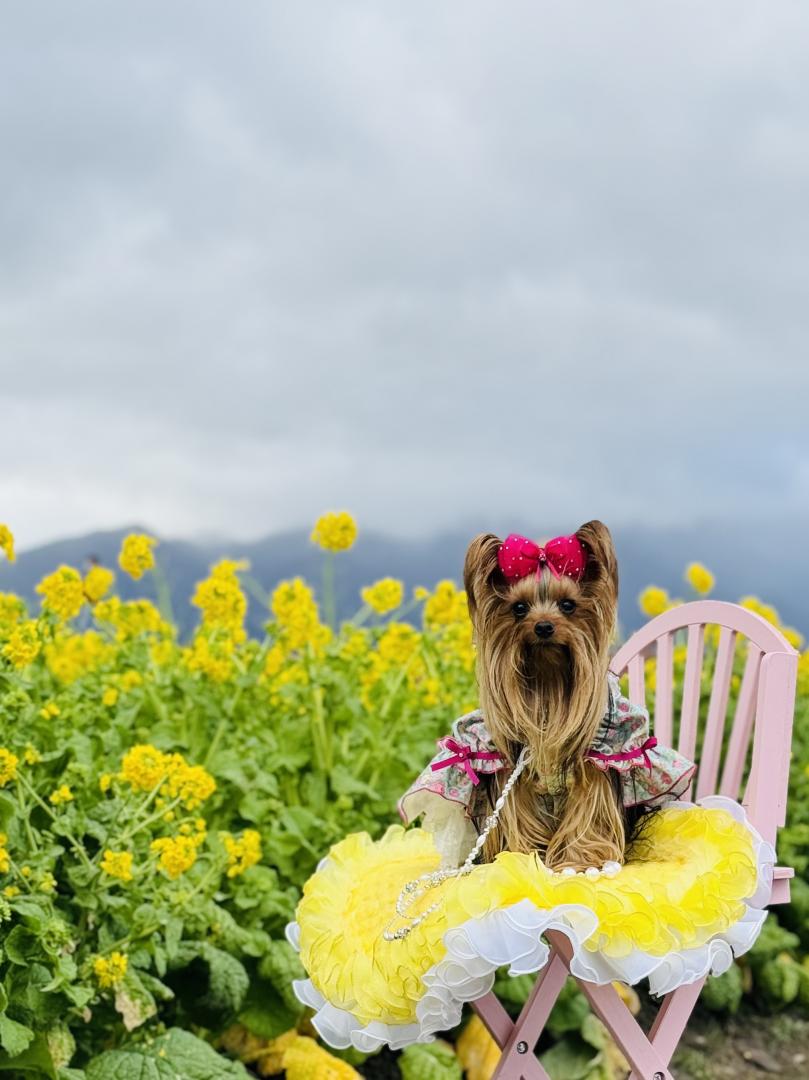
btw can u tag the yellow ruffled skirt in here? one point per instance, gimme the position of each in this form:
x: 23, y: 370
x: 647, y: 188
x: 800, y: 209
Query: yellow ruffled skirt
x: 691, y: 896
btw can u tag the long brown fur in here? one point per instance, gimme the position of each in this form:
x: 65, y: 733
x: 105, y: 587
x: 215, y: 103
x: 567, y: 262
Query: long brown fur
x: 550, y: 695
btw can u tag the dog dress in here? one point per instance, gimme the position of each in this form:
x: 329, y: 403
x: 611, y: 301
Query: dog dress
x: 396, y: 934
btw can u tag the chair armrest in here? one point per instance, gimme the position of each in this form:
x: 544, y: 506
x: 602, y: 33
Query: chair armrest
x: 780, y: 884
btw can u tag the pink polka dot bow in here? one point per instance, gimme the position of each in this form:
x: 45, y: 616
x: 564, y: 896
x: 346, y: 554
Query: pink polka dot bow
x: 564, y: 556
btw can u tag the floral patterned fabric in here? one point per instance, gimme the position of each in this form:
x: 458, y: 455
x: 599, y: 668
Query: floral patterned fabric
x: 651, y: 774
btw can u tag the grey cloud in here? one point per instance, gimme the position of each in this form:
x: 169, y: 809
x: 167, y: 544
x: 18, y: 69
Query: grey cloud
x: 428, y: 263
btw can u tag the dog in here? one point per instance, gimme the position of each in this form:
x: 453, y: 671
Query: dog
x: 543, y: 648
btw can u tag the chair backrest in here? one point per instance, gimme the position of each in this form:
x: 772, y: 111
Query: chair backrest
x: 761, y: 730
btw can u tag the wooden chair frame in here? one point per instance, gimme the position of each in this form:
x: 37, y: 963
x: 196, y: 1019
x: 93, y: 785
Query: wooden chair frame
x: 763, y: 714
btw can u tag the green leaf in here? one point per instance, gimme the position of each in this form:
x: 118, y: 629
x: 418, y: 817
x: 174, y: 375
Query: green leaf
x: 343, y: 782
x: 8, y: 808
x: 569, y: 1012
x: 35, y: 1061
x: 210, y: 984
x: 281, y: 966
x: 22, y: 946
x: 264, y: 1012
x: 14, y: 1037
x: 569, y: 1059
x: 436, y: 1061
x: 177, y: 1055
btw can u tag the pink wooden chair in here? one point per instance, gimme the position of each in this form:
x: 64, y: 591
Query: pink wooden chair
x: 761, y: 734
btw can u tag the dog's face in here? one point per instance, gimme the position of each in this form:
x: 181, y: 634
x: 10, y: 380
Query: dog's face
x: 542, y: 626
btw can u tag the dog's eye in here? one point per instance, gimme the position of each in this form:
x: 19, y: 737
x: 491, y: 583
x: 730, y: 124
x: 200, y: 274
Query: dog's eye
x: 520, y: 609
x: 567, y: 606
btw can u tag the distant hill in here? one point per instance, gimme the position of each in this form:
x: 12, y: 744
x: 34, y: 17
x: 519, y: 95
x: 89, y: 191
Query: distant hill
x: 738, y: 555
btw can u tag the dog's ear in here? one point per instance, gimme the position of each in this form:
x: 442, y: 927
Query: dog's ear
x: 479, y: 569
x: 602, y: 564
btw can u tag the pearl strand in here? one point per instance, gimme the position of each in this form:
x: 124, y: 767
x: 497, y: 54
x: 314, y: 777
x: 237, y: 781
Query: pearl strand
x: 411, y: 892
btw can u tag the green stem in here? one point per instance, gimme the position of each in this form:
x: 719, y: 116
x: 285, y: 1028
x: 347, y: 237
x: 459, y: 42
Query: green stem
x: 329, y: 605
x: 74, y: 843
x: 162, y: 592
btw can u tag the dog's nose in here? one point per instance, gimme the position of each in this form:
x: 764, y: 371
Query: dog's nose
x: 543, y: 629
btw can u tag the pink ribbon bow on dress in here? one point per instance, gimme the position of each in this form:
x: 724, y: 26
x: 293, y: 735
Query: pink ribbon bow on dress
x: 463, y: 756
x: 564, y: 555
x: 628, y: 755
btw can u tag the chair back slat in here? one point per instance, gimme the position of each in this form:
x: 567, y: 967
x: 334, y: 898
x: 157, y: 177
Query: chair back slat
x: 760, y: 734
x: 637, y: 681
x: 742, y: 731
x: 717, y: 710
x: 692, y: 689
x: 766, y: 794
x: 664, y: 687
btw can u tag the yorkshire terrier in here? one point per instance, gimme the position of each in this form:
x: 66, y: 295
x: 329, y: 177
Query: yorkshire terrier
x: 542, y: 659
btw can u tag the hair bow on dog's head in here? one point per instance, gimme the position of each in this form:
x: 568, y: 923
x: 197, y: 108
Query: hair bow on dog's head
x: 564, y: 556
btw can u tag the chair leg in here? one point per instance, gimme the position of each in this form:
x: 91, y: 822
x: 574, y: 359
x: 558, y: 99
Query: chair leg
x: 643, y: 1057
x: 672, y: 1016
x: 517, y: 1061
x: 498, y: 1023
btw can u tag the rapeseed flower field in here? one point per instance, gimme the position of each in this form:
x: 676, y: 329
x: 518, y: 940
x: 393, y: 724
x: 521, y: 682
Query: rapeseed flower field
x: 163, y: 801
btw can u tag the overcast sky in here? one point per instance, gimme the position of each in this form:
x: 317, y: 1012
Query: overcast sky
x: 429, y: 262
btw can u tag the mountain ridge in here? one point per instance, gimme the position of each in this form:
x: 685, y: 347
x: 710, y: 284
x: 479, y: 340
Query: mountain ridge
x: 646, y: 555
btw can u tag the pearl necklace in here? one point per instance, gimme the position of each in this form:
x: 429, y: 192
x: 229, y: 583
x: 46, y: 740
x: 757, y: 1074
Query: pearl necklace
x: 414, y: 890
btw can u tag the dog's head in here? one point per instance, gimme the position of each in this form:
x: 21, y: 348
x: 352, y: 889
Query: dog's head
x: 542, y: 640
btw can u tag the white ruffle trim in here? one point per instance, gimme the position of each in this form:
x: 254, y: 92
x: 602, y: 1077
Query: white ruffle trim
x: 512, y: 936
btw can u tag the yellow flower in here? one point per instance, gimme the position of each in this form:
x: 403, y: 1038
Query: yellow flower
x: 653, y: 601
x: 335, y: 531
x: 191, y: 783
x: 304, y: 1059
x: 62, y: 592
x: 62, y: 794
x: 242, y: 852
x: 294, y: 607
x: 398, y: 643
x: 354, y: 646
x: 10, y: 891
x: 47, y: 883
x: 420, y: 593
x: 273, y: 662
x: 73, y: 655
x: 177, y: 854
x: 793, y: 636
x: 384, y: 595
x: 136, y: 555
x: 110, y: 971
x: 117, y: 864
x: 24, y: 645
x: 49, y: 710
x: 8, y: 766
x: 478, y: 1053
x: 144, y: 767
x: 105, y: 782
x: 130, y: 679
x: 4, y: 859
x: 97, y: 583
x: 221, y: 599
x: 161, y: 653
x: 211, y: 656
x: 110, y: 696
x: 7, y: 542
x: 12, y: 608
x: 447, y: 605
x: 131, y: 618
x: 699, y: 578
x: 31, y: 756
